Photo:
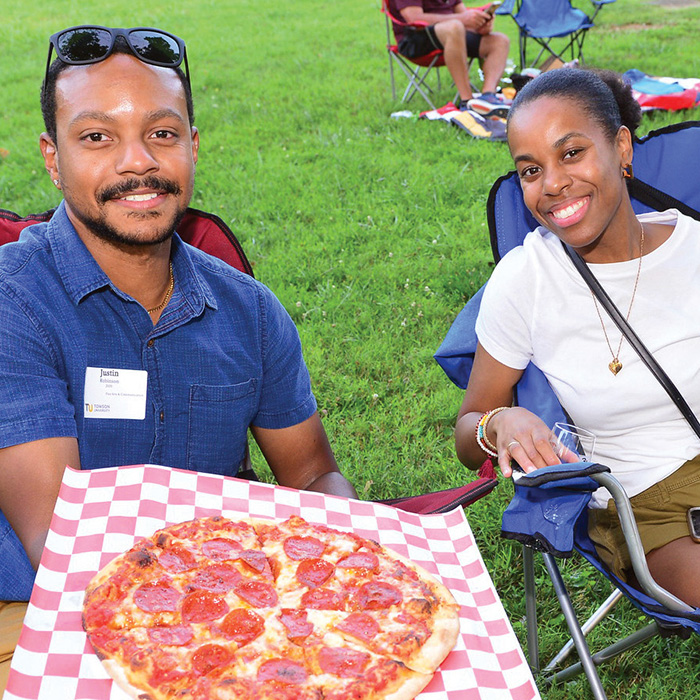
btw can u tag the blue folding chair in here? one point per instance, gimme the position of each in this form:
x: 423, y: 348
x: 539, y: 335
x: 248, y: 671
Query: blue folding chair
x: 662, y: 163
x: 545, y: 20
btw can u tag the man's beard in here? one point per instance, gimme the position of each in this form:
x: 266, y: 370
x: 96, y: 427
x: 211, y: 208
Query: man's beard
x: 159, y: 230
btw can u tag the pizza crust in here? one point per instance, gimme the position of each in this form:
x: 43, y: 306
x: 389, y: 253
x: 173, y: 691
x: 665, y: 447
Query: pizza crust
x: 410, y: 687
x: 117, y: 672
x: 444, y: 621
x: 438, y: 646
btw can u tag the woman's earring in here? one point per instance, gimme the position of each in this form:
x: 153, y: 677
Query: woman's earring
x: 627, y: 172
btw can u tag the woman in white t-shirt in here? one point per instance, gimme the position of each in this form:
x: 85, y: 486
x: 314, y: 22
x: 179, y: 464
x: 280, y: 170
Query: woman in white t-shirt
x: 570, y: 133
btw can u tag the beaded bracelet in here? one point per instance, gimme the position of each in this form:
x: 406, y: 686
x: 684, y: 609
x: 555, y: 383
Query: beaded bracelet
x: 481, y: 438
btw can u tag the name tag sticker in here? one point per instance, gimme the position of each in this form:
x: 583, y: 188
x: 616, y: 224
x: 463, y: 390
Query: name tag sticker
x: 115, y: 393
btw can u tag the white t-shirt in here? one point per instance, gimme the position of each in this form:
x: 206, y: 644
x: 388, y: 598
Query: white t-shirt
x: 537, y: 307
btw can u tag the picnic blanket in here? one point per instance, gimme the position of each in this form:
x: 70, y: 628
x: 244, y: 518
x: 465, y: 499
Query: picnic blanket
x: 665, y: 93
x: 473, y: 123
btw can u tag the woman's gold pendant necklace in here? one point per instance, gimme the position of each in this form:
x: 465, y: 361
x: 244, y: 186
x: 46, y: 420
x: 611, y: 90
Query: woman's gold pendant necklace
x: 615, y: 366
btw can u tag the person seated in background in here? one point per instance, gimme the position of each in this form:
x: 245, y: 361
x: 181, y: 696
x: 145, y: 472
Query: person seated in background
x: 571, y: 136
x: 462, y: 34
x: 106, y: 294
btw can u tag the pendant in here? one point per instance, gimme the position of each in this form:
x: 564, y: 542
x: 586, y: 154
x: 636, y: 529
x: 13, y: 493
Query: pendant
x: 615, y: 366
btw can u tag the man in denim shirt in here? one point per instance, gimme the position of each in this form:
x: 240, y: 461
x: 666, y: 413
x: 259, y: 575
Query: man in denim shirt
x: 120, y: 343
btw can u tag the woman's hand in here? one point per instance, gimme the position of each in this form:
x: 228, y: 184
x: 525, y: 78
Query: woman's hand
x: 520, y: 435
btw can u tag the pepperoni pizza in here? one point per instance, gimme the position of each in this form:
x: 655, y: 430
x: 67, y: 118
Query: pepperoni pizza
x: 215, y: 609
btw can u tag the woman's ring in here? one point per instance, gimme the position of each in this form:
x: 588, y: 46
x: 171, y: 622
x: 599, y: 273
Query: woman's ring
x: 512, y: 442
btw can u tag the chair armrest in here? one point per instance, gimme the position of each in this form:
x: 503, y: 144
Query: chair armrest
x: 509, y: 7
x: 634, y: 545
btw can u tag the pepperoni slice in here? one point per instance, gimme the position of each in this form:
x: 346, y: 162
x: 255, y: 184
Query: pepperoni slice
x: 218, y: 577
x: 322, y: 599
x: 98, y: 614
x: 359, y: 560
x: 342, y: 662
x: 314, y: 572
x: 258, y: 593
x: 298, y: 548
x: 107, y: 640
x: 377, y: 595
x: 298, y: 627
x: 209, y: 657
x: 177, y: 635
x: 156, y: 596
x: 203, y: 606
x: 221, y: 548
x: 254, y: 559
x: 177, y: 558
x: 282, y: 671
x: 242, y: 625
x: 360, y: 625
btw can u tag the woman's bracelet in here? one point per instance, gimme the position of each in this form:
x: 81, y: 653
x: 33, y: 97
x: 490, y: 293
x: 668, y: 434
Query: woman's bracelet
x: 481, y: 438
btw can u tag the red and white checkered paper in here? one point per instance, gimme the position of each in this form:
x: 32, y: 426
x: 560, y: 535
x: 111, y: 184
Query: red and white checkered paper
x: 101, y: 513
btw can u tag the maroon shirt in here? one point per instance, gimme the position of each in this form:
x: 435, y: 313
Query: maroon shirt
x: 439, y: 7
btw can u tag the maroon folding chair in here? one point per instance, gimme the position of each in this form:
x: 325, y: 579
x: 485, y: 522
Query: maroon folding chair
x: 198, y: 228
x: 417, y: 69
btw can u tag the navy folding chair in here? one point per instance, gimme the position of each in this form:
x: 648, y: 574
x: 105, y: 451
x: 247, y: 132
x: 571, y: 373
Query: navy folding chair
x: 543, y: 21
x: 663, y: 161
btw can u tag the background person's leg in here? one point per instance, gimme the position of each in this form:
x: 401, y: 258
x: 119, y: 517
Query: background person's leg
x: 493, y: 53
x: 453, y: 38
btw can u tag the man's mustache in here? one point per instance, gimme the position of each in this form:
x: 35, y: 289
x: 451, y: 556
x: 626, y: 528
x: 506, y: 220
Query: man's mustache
x: 151, y: 182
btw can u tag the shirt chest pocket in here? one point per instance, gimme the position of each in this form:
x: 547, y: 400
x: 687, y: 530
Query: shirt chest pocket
x: 219, y: 417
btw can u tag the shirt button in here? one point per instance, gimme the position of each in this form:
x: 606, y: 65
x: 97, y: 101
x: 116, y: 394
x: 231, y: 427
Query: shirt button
x: 162, y: 416
x: 151, y: 343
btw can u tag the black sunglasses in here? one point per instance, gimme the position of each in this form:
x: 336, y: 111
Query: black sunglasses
x: 89, y: 43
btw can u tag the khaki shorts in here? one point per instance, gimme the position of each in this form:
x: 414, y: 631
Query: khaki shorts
x: 660, y: 512
x: 11, y: 619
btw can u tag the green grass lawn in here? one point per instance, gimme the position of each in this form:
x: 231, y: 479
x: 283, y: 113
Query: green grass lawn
x: 371, y: 230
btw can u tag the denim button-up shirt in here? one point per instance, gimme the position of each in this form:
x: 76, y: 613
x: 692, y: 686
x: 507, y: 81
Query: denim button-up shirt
x: 224, y: 355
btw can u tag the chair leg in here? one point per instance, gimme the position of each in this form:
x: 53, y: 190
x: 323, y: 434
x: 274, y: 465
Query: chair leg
x: 391, y: 72
x: 533, y: 649
x: 600, y: 614
x: 416, y: 81
x: 584, y: 652
x: 648, y: 632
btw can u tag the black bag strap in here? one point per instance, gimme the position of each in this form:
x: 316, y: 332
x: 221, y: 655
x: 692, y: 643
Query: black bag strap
x: 633, y: 339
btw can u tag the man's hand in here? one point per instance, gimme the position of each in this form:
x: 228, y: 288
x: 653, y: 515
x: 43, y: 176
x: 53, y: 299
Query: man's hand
x: 475, y: 20
x: 301, y: 457
x: 486, y: 28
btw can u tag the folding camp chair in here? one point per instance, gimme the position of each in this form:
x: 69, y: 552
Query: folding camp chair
x: 662, y: 161
x: 417, y: 70
x: 546, y: 20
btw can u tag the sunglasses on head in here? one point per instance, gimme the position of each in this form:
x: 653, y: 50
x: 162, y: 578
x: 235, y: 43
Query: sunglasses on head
x: 79, y: 46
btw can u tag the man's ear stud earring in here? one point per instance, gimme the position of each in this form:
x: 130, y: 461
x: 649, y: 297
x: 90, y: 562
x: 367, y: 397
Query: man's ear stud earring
x: 55, y: 182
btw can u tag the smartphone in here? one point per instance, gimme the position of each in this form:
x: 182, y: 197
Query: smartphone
x: 493, y: 6
x: 694, y: 523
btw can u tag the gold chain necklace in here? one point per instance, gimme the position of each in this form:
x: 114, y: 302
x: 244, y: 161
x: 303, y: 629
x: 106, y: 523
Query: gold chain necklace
x: 168, y: 294
x: 615, y: 366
